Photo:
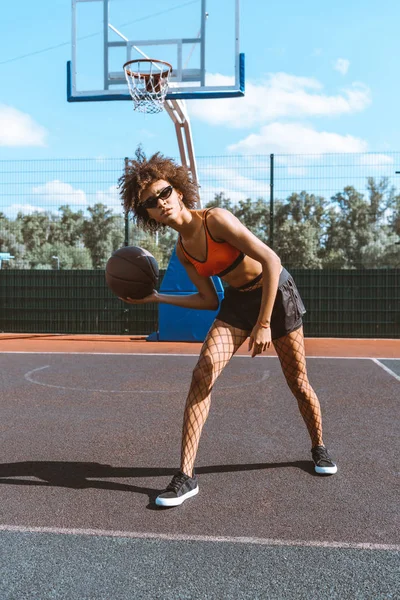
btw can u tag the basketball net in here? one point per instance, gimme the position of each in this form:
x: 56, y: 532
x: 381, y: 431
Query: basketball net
x: 148, y: 83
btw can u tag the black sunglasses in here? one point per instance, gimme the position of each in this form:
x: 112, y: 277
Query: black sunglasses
x: 153, y: 200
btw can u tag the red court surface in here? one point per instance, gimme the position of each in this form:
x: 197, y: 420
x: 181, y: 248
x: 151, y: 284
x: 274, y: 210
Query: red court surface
x: 23, y: 342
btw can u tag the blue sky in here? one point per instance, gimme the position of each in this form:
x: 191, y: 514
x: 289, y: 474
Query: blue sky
x: 320, y: 77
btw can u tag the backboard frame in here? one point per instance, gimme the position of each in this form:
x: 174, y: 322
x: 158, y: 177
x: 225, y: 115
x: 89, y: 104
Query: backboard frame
x: 180, y: 74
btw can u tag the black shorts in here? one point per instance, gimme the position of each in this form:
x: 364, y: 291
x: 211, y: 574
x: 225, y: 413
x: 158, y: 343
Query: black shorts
x: 241, y: 309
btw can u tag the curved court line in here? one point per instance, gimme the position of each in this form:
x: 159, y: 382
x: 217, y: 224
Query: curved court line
x: 28, y: 377
x: 202, y: 538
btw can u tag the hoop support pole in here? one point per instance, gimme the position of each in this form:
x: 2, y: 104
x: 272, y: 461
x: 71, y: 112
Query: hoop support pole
x: 177, y: 112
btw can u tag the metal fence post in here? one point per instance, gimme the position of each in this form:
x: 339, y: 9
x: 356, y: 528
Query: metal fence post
x: 271, y: 201
x: 126, y: 240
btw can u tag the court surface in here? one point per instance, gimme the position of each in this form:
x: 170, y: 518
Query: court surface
x: 90, y: 433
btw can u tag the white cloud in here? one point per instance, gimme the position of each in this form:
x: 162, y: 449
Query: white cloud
x: 209, y: 192
x: 58, y: 193
x: 234, y: 184
x: 280, y: 96
x: 342, y: 65
x: 26, y: 209
x: 377, y: 164
x: 53, y: 194
x: 236, y: 181
x: 286, y: 138
x: 110, y: 198
x: 19, y: 129
x: 377, y: 160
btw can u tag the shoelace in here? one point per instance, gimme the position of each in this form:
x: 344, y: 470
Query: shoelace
x: 177, y: 480
x: 320, y: 453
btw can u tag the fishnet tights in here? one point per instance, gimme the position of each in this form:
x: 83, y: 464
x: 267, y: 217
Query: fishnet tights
x: 220, y: 345
x: 290, y: 350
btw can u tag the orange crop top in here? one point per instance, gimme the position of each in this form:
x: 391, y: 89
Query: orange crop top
x: 221, y: 257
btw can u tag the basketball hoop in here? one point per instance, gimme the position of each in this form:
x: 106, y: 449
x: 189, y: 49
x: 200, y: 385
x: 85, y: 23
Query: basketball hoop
x: 148, y: 83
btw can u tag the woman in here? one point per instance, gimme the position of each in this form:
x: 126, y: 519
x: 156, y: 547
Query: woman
x: 261, y: 301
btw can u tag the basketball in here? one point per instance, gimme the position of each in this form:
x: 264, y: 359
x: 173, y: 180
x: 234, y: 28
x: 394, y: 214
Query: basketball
x: 132, y: 272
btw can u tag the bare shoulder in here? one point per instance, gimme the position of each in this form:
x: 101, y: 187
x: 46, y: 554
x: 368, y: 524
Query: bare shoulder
x: 220, y: 220
x: 228, y: 228
x: 219, y: 215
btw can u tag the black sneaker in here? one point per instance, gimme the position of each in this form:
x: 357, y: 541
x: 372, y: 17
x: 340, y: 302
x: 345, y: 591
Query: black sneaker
x: 324, y: 465
x: 180, y: 489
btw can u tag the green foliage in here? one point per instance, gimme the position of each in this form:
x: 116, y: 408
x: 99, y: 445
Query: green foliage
x: 298, y: 225
x: 255, y: 215
x: 297, y: 245
x: 350, y: 230
x: 361, y: 232
x: 102, y: 234
x: 221, y: 201
x: 70, y: 226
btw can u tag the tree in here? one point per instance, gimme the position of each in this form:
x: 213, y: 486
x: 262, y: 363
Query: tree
x: 299, y: 223
x: 35, y: 229
x: 352, y: 230
x: 70, y: 226
x: 382, y: 198
x: 10, y: 241
x: 394, y: 215
x: 361, y: 231
x: 220, y: 201
x: 382, y: 251
x: 349, y: 229
x: 102, y: 234
x: 255, y: 215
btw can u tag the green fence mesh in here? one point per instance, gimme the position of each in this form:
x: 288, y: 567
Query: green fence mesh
x: 340, y: 303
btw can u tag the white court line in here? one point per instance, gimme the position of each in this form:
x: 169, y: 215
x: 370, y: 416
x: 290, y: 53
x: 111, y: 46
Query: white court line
x: 201, y: 538
x: 385, y: 368
x: 188, y: 354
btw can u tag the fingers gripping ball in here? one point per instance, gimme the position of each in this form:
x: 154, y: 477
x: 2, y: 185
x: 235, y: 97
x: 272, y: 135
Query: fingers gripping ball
x: 132, y: 272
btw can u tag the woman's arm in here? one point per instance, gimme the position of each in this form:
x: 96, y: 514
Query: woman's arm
x: 225, y: 226
x: 206, y: 297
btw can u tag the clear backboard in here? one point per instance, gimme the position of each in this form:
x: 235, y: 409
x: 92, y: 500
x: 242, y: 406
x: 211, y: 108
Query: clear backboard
x: 199, y: 38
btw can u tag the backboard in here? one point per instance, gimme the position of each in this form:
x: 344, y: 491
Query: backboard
x: 200, y: 38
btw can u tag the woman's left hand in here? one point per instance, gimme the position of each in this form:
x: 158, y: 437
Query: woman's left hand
x: 260, y: 339
x: 153, y: 297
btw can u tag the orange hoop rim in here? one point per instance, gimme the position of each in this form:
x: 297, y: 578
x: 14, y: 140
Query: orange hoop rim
x: 164, y: 73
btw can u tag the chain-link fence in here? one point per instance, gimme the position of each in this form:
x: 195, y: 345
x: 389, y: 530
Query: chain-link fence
x: 340, y: 303
x: 316, y: 211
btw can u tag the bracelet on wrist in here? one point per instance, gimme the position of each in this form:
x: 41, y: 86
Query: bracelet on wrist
x: 265, y: 325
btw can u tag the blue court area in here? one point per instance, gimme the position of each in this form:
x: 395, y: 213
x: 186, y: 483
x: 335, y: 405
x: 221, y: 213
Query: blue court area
x: 88, y: 441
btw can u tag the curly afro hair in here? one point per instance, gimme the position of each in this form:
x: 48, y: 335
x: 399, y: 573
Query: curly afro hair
x: 140, y: 173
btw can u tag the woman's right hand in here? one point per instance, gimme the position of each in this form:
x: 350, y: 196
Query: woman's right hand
x: 153, y: 297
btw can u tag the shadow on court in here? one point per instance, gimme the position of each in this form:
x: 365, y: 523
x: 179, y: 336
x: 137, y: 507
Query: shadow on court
x: 77, y: 475
x: 89, y: 441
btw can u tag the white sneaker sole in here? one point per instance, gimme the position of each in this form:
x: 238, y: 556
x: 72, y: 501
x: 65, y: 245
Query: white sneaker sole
x: 326, y: 470
x: 176, y: 501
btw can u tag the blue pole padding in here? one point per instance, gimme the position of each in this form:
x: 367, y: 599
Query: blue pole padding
x: 177, y: 324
